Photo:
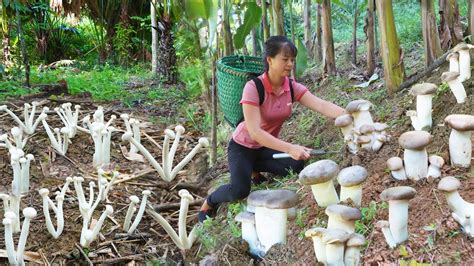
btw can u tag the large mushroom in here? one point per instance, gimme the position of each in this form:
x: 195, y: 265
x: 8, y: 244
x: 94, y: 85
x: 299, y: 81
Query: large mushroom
x: 342, y: 217
x: 398, y: 198
x: 359, y: 109
x: 415, y: 156
x: 460, y: 146
x: 455, y: 85
x: 464, y: 61
x: 319, y: 176
x: 424, y: 93
x: 271, y: 210
x: 395, y: 165
x: 351, y: 179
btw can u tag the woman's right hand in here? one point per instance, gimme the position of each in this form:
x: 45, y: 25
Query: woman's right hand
x: 299, y: 152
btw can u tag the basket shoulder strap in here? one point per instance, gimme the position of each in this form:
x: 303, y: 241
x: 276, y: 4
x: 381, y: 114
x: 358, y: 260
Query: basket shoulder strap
x: 292, y: 91
x: 260, y: 90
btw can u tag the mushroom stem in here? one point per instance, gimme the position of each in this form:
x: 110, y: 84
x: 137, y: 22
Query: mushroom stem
x: 90, y: 236
x: 423, y: 110
x: 271, y: 226
x: 334, y: 254
x: 414, y: 119
x: 398, y: 220
x: 203, y: 142
x: 458, y: 90
x: 464, y: 65
x: 29, y: 214
x: 416, y: 163
x: 141, y: 210
x: 384, y: 226
x: 9, y: 244
x: 354, y: 193
x: 131, y: 209
x: 325, y: 194
x: 174, y: 236
x: 460, y: 148
x: 362, y: 117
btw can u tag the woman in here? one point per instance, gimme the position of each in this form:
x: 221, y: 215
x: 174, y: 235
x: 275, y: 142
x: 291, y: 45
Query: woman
x: 255, y: 140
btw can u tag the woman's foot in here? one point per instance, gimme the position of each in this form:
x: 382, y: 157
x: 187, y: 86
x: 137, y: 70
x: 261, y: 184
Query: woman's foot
x: 206, y: 211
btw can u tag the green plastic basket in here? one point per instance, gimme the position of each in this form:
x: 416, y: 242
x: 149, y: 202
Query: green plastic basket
x: 233, y: 72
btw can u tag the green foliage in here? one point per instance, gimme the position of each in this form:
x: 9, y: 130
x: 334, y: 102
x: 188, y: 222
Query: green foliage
x: 366, y: 223
x: 301, y: 58
x: 123, y: 42
x: 253, y: 16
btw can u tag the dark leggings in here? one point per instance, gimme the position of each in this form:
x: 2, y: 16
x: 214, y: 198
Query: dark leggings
x: 242, y: 161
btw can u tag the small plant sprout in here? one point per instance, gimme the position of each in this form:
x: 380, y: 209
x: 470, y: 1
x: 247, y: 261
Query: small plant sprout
x: 166, y: 172
x: 460, y: 145
x: 132, y: 126
x: 141, y: 210
x: 11, y: 204
x: 271, y: 215
x: 101, y: 135
x: 342, y: 217
x: 57, y: 209
x: 351, y: 180
x: 398, y: 198
x: 415, y: 157
x: 452, y: 78
x: 59, y: 138
x: 15, y: 257
x: 29, y: 125
x: 319, y: 176
x: 316, y: 234
x: 462, y: 211
x: 182, y: 241
x: 69, y: 117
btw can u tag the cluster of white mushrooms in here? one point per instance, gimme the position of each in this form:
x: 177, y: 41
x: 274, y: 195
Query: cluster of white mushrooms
x: 459, y: 70
x: 358, y: 128
x: 101, y: 132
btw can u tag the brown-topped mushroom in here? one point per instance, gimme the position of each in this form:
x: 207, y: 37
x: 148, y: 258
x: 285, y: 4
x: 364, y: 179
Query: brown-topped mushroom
x: 395, y: 165
x: 319, y: 176
x: 460, y: 147
x: 351, y: 179
x: 359, y: 109
x: 342, y: 217
x: 424, y: 93
x: 415, y: 157
x: 452, y: 78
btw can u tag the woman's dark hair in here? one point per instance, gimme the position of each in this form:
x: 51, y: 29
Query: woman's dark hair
x: 277, y: 44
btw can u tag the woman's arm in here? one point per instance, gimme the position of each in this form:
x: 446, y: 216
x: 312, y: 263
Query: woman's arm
x: 253, y: 119
x: 321, y: 106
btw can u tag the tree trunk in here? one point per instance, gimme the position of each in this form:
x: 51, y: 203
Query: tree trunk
x: 430, y: 32
x: 228, y: 46
x: 254, y: 42
x: 307, y: 27
x: 154, y: 38
x: 265, y: 27
x: 167, y: 55
x: 369, y: 34
x: 450, y: 26
x: 390, y: 51
x: 318, y: 46
x: 329, y: 60
x: 278, y: 17
x: 471, y: 20
x: 292, y: 26
x: 213, y: 155
x: 354, y: 34
x: 23, y: 46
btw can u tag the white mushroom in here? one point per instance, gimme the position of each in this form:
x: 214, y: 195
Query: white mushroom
x: 271, y: 215
x: 335, y: 240
x: 131, y: 209
x: 452, y: 78
x: 385, y: 227
x: 395, y: 165
x: 380, y: 137
x: 342, y: 217
x: 141, y: 210
x: 249, y: 233
x: 415, y: 157
x: 398, y: 198
x: 91, y: 235
x: 344, y: 122
x: 453, y: 59
x: 353, y: 246
x: 359, y: 109
x: 460, y: 145
x: 351, y: 179
x: 424, y: 93
x: 316, y: 234
x: 319, y: 176
x: 464, y: 61
x: 436, y: 162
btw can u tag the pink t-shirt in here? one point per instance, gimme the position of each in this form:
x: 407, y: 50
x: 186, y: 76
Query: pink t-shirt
x: 274, y: 110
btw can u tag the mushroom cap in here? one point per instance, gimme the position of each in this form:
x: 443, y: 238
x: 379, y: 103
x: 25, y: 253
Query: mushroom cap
x: 30, y: 156
x: 366, y: 129
x: 352, y: 176
x: 127, y: 136
x: 146, y: 192
x: 395, y: 163
x: 179, y: 129
x: 124, y: 116
x: 10, y: 215
x: 183, y: 193
x: 343, y: 120
x: 343, y: 212
x: 109, y: 209
x: 7, y: 221
x: 358, y: 105
x: 449, y: 184
x: 273, y: 199
x: 414, y: 140
x: 246, y: 217
x: 134, y: 199
x: 460, y: 46
x: 423, y: 89
x: 169, y: 133
x: 318, y: 172
x: 364, y: 139
x: 355, y: 240
x: 29, y: 213
x: 398, y: 193
x: 436, y: 160
x: 453, y: 55
x: 204, y: 142
x: 43, y: 192
x: 460, y: 122
x: 448, y: 76
x: 315, y: 231
x: 16, y: 131
x: 335, y: 236
x: 380, y: 126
